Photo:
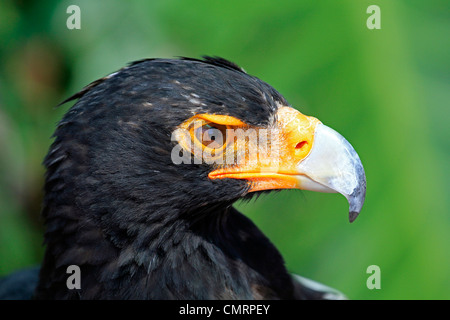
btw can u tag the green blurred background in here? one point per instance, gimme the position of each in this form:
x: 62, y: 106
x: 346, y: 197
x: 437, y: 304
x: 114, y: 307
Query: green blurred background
x: 387, y: 91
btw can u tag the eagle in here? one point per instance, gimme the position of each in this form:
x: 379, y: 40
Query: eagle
x: 143, y: 173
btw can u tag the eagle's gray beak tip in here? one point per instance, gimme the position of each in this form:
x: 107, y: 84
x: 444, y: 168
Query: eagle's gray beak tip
x: 352, y: 216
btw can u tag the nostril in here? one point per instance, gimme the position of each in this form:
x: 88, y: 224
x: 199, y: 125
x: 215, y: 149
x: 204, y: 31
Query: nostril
x: 300, y: 145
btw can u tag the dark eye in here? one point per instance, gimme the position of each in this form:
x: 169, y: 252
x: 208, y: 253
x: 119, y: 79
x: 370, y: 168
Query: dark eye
x: 211, y: 135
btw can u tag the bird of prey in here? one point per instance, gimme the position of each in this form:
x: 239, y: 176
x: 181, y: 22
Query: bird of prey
x: 143, y: 173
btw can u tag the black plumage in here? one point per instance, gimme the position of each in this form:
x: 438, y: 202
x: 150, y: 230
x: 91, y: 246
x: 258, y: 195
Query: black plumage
x: 139, y: 226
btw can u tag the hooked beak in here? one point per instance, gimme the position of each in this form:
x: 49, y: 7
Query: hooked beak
x: 312, y: 156
x: 334, y: 166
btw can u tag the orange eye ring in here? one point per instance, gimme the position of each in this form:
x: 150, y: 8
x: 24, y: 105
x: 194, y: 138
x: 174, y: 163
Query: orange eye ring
x: 211, y: 137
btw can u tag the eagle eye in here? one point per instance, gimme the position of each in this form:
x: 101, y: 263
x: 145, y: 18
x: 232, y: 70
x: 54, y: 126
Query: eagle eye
x: 211, y: 135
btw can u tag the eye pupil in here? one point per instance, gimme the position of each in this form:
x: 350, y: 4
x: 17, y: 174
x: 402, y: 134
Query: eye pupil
x: 211, y: 136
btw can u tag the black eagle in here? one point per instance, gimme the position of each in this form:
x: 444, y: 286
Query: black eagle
x: 144, y: 170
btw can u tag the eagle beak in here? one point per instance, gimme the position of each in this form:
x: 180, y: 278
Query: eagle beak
x: 310, y: 156
x: 333, y: 165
